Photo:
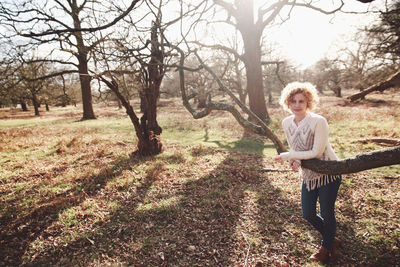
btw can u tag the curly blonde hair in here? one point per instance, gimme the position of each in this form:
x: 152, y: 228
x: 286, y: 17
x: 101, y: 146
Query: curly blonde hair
x: 307, y: 89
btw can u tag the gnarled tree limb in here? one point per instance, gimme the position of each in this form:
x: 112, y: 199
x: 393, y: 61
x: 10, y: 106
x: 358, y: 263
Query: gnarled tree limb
x: 259, y: 128
x: 392, y: 81
x: 361, y: 162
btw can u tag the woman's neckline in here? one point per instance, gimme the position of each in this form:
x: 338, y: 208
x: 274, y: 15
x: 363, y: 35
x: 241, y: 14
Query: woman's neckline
x: 298, y: 123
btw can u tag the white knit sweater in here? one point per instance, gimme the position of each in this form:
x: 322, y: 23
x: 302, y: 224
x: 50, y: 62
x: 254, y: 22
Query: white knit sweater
x: 307, y: 140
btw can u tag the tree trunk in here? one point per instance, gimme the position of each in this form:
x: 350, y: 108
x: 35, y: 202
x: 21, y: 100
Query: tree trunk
x: 202, y: 100
x: 23, y: 105
x: 359, y: 163
x: 35, y: 104
x: 88, y: 113
x: 254, y: 83
x: 85, y: 79
x: 152, y: 92
x: 151, y: 143
x: 240, y: 90
x: 148, y: 143
x: 65, y: 100
x: 147, y: 129
x: 338, y: 91
x: 251, y: 35
x: 142, y: 102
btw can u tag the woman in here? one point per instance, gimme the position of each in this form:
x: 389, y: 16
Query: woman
x: 307, y: 135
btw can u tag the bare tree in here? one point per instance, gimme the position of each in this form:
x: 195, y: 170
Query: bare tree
x: 70, y: 24
x: 384, y: 44
x: 327, y: 74
x: 14, y: 89
x: 147, y: 66
x: 147, y: 129
x: 251, y: 24
x: 33, y: 86
x: 386, y: 32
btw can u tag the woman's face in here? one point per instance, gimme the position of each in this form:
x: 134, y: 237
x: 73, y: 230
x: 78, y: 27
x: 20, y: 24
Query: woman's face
x: 298, y: 105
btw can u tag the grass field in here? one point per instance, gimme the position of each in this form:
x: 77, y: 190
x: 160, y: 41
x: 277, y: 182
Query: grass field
x: 73, y: 193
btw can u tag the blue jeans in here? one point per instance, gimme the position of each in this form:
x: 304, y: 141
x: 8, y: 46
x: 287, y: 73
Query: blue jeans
x: 326, y: 222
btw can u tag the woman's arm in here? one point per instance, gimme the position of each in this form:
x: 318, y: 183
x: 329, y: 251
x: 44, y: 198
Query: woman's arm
x: 320, y: 142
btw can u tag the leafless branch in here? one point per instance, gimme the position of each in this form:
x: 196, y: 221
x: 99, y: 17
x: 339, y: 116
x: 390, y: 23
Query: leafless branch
x: 261, y: 128
x: 220, y: 47
x: 87, y: 29
x: 323, y: 11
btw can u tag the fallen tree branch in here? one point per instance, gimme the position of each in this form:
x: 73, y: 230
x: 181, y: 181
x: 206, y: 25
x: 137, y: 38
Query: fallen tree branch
x: 381, y: 141
x: 361, y: 162
x: 392, y: 81
x: 275, y: 170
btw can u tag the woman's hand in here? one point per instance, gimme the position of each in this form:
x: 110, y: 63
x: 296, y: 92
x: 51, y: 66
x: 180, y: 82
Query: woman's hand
x: 295, y: 164
x: 278, y: 159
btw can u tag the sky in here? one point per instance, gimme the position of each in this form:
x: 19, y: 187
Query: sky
x: 309, y: 35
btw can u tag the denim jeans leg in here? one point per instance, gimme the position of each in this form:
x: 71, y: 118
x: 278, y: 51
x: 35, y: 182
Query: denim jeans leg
x: 327, y: 198
x: 308, y: 206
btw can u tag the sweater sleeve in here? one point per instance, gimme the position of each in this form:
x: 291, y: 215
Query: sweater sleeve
x: 320, y: 141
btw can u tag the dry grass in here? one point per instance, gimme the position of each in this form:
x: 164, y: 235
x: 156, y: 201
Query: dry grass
x: 73, y: 194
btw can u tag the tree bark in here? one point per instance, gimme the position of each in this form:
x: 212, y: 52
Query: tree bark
x: 151, y: 93
x: 251, y: 35
x: 392, y: 81
x: 35, y: 104
x: 65, y: 100
x: 88, y: 113
x: 359, y: 163
x: 148, y: 143
x: 23, y: 105
x: 85, y: 79
x: 338, y: 91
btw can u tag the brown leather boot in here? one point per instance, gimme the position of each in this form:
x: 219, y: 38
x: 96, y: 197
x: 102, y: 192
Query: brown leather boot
x: 322, y: 255
x: 335, y: 249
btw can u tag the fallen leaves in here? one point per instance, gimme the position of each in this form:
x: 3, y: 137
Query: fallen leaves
x: 93, y: 204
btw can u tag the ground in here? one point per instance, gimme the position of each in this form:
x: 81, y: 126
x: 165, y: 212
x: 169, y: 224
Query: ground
x: 74, y: 193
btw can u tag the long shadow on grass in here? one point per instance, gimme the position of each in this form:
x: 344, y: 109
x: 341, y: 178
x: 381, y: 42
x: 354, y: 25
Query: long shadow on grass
x: 17, y: 235
x: 197, y: 216
x: 245, y: 144
x: 359, y: 249
x: 201, y: 215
